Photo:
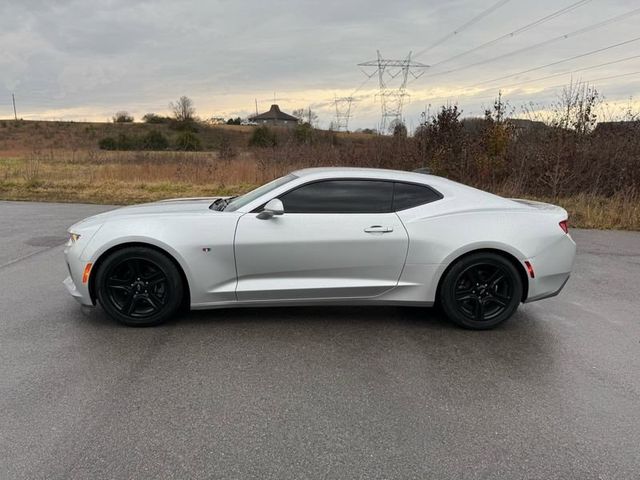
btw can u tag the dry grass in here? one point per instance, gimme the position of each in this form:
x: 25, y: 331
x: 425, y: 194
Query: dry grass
x: 595, y: 176
x: 91, y: 176
x: 122, y: 177
x: 620, y: 212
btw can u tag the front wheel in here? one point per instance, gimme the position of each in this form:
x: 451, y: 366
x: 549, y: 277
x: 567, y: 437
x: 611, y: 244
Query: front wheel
x: 139, y: 286
x: 481, y: 291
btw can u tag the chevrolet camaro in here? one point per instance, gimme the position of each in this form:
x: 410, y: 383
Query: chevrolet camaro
x: 324, y: 236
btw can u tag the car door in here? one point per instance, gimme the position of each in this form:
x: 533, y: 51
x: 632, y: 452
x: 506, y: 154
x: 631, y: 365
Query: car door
x: 336, y: 239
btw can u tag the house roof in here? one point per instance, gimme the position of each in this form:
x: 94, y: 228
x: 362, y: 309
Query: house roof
x: 274, y: 113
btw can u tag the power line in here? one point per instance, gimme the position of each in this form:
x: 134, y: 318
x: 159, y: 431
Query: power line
x: 610, y: 77
x: 572, y: 71
x: 522, y: 29
x: 593, y: 80
x: 471, y: 22
x: 592, y: 52
x: 540, y: 44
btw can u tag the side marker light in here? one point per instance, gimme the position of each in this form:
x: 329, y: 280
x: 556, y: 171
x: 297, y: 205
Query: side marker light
x: 87, y: 271
x: 529, y: 269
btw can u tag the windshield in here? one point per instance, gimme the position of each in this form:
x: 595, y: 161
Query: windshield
x: 249, y: 197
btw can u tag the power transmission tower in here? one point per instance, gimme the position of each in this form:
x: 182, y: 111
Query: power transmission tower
x: 343, y: 113
x: 392, y: 79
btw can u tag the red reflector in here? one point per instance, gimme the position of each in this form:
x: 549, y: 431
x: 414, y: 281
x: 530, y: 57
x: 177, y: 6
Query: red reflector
x: 85, y: 274
x: 529, y: 269
x: 564, y: 225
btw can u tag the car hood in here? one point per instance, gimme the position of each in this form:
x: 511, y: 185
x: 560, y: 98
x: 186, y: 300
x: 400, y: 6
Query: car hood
x: 175, y: 206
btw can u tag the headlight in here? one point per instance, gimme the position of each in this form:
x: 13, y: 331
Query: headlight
x: 73, y: 238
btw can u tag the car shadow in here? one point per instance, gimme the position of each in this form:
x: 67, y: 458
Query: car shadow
x: 525, y: 346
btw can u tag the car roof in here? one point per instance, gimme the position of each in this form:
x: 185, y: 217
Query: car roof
x: 355, y: 172
x: 443, y: 185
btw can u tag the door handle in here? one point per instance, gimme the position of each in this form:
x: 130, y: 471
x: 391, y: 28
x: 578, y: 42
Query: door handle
x: 378, y: 229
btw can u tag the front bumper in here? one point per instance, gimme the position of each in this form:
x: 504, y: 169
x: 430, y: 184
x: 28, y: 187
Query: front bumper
x: 75, y: 293
x: 73, y: 283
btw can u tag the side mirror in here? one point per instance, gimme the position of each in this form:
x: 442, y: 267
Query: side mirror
x: 272, y: 208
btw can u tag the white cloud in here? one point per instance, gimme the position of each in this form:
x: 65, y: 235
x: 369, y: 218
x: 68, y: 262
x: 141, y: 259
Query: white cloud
x: 79, y: 59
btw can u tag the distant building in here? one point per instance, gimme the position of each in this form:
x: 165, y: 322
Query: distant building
x: 275, y: 117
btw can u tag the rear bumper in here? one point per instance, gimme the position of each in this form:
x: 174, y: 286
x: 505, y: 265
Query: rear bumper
x: 542, y: 296
x: 552, y: 269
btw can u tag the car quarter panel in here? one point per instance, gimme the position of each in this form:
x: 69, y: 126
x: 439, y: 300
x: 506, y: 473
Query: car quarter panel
x: 201, y: 243
x: 438, y: 237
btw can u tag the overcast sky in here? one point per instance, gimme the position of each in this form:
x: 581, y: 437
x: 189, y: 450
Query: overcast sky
x: 84, y: 60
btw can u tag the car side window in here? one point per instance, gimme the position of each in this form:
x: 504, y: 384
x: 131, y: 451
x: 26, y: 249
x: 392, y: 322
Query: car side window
x: 340, y: 196
x: 409, y: 195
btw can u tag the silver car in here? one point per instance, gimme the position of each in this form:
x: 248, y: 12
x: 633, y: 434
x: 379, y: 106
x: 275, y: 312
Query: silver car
x: 324, y: 236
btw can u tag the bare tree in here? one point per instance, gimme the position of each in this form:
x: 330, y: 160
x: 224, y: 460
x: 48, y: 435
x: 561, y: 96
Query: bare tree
x: 576, y: 108
x: 306, y: 115
x: 183, y: 110
x: 122, y: 117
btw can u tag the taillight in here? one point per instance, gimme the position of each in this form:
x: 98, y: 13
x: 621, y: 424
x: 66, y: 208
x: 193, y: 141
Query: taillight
x: 564, y: 225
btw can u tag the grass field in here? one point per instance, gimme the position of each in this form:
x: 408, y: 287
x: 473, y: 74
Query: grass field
x: 42, y: 162
x: 132, y: 177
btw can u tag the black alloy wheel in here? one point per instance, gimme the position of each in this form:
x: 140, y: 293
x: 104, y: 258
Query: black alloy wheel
x: 139, y: 286
x: 481, y: 290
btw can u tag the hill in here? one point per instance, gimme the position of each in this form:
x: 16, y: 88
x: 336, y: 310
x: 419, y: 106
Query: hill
x: 595, y: 175
x: 26, y: 135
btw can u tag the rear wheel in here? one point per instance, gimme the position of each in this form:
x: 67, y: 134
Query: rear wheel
x: 139, y: 286
x: 481, y: 291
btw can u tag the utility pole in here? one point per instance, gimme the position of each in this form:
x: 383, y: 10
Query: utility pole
x: 392, y: 78
x: 15, y: 115
x: 343, y: 112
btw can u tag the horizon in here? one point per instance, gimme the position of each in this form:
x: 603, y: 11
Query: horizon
x: 73, y: 61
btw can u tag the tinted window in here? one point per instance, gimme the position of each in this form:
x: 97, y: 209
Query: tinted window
x: 249, y: 197
x: 407, y: 195
x: 340, y: 196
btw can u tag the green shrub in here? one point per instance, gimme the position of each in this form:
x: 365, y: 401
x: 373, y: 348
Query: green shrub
x: 122, y: 142
x: 263, y: 137
x: 303, y: 133
x: 122, y: 117
x: 108, y: 143
x: 188, y: 141
x: 183, y: 125
x: 125, y: 142
x: 154, y: 118
x: 154, y: 140
x: 399, y: 130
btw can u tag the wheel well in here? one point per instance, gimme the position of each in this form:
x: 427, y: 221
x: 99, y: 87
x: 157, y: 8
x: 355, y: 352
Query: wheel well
x: 519, y: 268
x: 186, y: 299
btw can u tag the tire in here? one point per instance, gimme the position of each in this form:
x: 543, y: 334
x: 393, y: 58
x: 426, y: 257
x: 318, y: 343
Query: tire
x: 139, y: 286
x: 480, y: 291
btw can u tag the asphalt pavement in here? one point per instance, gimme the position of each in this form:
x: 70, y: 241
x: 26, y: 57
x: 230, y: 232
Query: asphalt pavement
x: 331, y: 393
